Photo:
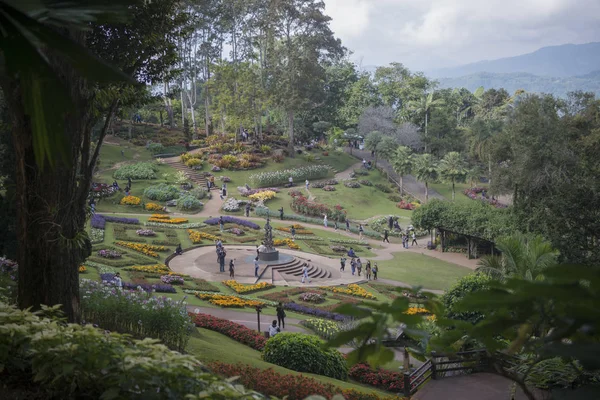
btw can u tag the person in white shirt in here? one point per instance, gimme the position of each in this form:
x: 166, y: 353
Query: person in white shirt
x: 274, y: 329
x: 325, y: 220
x: 118, y: 281
x: 306, y: 184
x: 291, y: 181
x: 305, y: 273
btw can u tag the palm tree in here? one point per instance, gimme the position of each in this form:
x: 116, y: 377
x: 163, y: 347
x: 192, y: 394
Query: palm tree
x: 425, y: 169
x: 522, y: 257
x: 402, y: 163
x: 372, y: 142
x: 474, y: 174
x: 424, y: 106
x: 387, y: 147
x: 453, y: 169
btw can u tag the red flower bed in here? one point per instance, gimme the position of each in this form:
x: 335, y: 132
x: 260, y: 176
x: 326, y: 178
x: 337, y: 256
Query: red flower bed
x: 405, y: 205
x: 294, y: 387
x: 379, y: 378
x: 302, y: 205
x: 237, y: 332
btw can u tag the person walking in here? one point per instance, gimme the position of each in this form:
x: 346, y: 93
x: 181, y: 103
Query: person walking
x: 347, y: 225
x: 306, y: 183
x: 385, y: 236
x: 231, y: 269
x: 305, y: 273
x: 223, y: 191
x: 375, y: 270
x: 222, y: 256
x: 212, y: 181
x: 361, y: 231
x: 353, y: 266
x: 281, y: 213
x: 221, y: 223
x: 274, y: 329
x: 293, y: 232
x: 256, y: 267
x: 129, y: 182
x: 414, y: 239
x: 325, y: 220
x: 335, y: 225
x: 391, y: 222
x: 280, y: 315
x: 368, y: 270
x: 247, y: 209
x: 358, y: 266
x: 342, y: 264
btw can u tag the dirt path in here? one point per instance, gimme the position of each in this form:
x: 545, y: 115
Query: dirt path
x: 344, y: 175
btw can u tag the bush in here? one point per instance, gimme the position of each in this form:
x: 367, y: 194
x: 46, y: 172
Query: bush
x: 278, y: 158
x: 265, y: 149
x: 361, y: 172
x: 162, y: 192
x: 384, y: 188
x: 189, y: 203
x: 465, y: 285
x: 396, y: 198
x: 305, y: 353
x: 352, y: 184
x: 94, y: 364
x: 235, y: 331
x: 329, y: 188
x: 144, y: 170
x: 156, y: 148
x: 275, y: 178
x: 193, y: 162
x: 365, y: 182
x: 379, y: 378
x: 200, y: 193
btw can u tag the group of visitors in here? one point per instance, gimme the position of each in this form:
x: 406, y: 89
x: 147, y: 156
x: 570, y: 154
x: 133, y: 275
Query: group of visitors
x: 367, y: 164
x: 356, y: 266
x: 221, y: 254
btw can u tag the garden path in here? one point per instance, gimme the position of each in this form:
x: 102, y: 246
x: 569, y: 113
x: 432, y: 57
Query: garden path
x: 411, y: 185
x: 344, y: 175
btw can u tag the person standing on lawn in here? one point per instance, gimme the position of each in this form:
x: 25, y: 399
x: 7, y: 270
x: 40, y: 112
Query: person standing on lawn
x: 280, y: 315
x: 385, y: 236
x: 305, y: 273
x: 281, y: 213
x: 342, y: 263
x: 375, y: 271
x: 231, y: 269
x: 256, y: 267
x: 293, y: 232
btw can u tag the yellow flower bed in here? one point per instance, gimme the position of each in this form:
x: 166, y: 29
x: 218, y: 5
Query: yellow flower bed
x: 298, y: 231
x: 82, y: 269
x: 239, y: 288
x: 157, y: 216
x: 352, y: 290
x: 195, y: 236
x: 146, y: 249
x: 264, y: 196
x: 416, y: 310
x: 286, y: 242
x: 228, y: 301
x: 130, y: 201
x: 165, y: 219
x: 160, y: 269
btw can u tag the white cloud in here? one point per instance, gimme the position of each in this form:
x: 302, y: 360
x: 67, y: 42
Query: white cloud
x: 436, y: 33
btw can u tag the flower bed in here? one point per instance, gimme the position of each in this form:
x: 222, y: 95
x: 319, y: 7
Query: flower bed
x: 196, y: 237
x: 82, y: 269
x: 286, y: 242
x: 383, y: 187
x: 417, y: 311
x: 247, y: 289
x: 352, y: 184
x: 365, y: 182
x: 157, y: 269
x: 351, y: 290
x: 405, y: 205
x: 146, y: 249
x: 153, y: 207
x: 262, y: 196
x: 302, y: 205
x: 172, y: 279
x: 300, y: 230
x: 130, y: 201
x: 98, y: 221
x: 237, y: 332
x: 311, y: 297
x: 323, y: 328
x: 112, y: 254
x: 165, y: 219
x: 145, y: 232
x: 299, y: 308
x: 227, y: 219
x: 96, y: 235
x: 162, y: 192
x: 379, y: 378
x: 248, y: 192
x: 329, y: 188
x: 227, y: 301
x: 276, y: 178
x: 236, y: 231
x: 176, y: 226
x: 292, y: 387
x: 142, y: 170
x: 231, y: 205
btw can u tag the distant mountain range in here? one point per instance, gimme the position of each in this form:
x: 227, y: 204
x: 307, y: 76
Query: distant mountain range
x: 554, y: 61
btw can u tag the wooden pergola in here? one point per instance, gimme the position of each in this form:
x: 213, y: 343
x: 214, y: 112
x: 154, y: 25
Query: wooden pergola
x: 473, y: 242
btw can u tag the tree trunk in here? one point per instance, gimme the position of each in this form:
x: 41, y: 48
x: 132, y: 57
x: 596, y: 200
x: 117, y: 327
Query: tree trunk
x: 426, y: 137
x: 406, y: 360
x: 207, y: 124
x: 182, y: 99
x: 453, y: 191
x: 490, y: 171
x: 426, y: 191
x: 51, y: 200
x: 291, y: 133
x: 401, y: 185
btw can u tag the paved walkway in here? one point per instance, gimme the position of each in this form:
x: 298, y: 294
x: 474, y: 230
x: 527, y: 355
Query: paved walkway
x: 411, y: 185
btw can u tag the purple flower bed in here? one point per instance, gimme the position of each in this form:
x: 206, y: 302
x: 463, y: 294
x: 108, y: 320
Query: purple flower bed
x: 98, y: 221
x: 159, y: 287
x: 232, y: 220
x: 314, y: 311
x: 172, y: 279
x: 109, y: 254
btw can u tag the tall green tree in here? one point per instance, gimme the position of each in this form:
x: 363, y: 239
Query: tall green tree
x: 361, y: 95
x: 423, y: 107
x: 402, y: 162
x: 425, y: 169
x: 387, y: 147
x: 372, y: 143
x: 453, y: 169
x: 521, y: 257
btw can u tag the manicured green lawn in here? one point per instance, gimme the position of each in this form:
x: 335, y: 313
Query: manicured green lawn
x: 445, y: 189
x: 421, y: 270
x: 209, y: 346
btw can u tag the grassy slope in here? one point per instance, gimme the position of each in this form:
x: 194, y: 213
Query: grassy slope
x: 210, y: 346
x: 419, y: 269
x: 445, y: 189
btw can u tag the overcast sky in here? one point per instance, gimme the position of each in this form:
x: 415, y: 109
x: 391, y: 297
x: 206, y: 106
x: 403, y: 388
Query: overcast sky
x: 430, y: 34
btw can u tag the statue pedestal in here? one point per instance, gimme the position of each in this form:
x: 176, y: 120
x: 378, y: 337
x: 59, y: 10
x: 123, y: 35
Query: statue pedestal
x: 269, y: 255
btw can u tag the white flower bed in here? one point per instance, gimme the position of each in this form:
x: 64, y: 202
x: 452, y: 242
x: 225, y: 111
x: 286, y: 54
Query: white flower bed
x: 276, y: 178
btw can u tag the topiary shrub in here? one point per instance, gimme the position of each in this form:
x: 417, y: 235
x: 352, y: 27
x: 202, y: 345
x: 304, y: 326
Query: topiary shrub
x: 162, y: 192
x: 464, y: 286
x: 189, y: 203
x: 137, y: 171
x: 352, y: 184
x: 305, y: 353
x: 365, y: 182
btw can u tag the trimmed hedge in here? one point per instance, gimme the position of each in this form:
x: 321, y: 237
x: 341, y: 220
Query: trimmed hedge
x: 136, y: 171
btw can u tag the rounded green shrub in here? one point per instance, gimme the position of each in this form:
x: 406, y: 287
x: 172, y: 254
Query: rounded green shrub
x: 189, y: 203
x: 200, y: 193
x: 156, y: 148
x: 162, y: 192
x: 305, y: 353
x: 144, y: 170
x: 466, y: 285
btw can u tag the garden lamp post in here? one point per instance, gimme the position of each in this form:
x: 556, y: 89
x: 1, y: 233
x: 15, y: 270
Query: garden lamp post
x: 258, y: 310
